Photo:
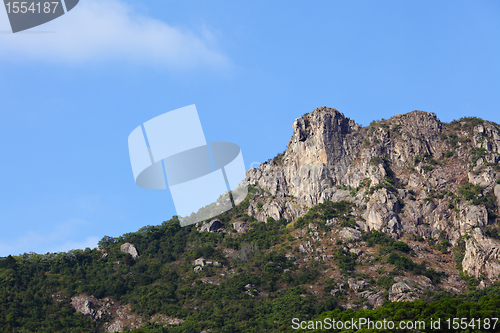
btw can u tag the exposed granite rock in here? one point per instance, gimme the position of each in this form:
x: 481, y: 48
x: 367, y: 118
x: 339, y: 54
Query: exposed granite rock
x: 401, y: 292
x: 95, y: 309
x: 165, y: 320
x: 357, y: 252
x: 129, y: 248
x: 120, y: 316
x: 402, y: 173
x: 211, y: 226
x: 382, y: 210
x: 481, y: 255
x: 471, y: 217
x: 240, y: 227
x: 357, y: 285
x: 83, y: 305
x: 124, y: 318
x: 375, y: 299
x: 350, y: 233
x: 497, y: 194
x: 200, y: 261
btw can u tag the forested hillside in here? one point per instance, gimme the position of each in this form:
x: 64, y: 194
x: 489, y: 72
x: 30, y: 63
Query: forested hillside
x: 386, y: 221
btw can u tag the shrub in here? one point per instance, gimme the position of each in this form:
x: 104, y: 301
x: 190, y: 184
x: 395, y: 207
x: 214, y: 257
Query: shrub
x: 351, y: 223
x: 345, y: 261
x: 385, y: 282
x: 453, y: 140
x: 443, y: 246
x: 428, y: 168
x: 459, y: 253
x: 375, y: 160
x: 401, y: 262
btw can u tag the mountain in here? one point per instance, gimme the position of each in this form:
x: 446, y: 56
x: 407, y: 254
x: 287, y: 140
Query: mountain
x: 410, y: 176
x: 395, y: 218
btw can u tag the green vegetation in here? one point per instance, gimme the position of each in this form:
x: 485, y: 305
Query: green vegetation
x: 346, y: 261
x: 485, y: 308
x: 379, y: 238
x: 465, y: 123
x: 375, y: 160
x: 459, y: 253
x: 390, y: 182
x: 397, y: 251
x: 162, y: 279
x: 396, y: 129
x: 326, y: 211
x: 448, y: 154
x: 385, y: 282
x: 278, y: 159
x: 475, y: 195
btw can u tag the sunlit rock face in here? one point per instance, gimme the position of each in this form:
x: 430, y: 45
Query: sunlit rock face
x: 403, y: 174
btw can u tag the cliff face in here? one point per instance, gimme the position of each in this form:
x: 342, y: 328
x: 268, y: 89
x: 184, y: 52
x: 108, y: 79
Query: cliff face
x: 410, y: 176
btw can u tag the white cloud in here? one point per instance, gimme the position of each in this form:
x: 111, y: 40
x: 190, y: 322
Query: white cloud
x: 64, y: 237
x: 110, y: 30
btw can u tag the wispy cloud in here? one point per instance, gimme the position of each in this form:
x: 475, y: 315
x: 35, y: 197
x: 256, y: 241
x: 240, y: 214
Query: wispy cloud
x: 63, y: 238
x: 111, y: 30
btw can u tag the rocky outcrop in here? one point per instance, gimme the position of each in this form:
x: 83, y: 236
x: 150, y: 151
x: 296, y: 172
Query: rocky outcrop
x: 375, y: 299
x: 401, y: 292
x: 123, y: 318
x: 240, y: 227
x: 200, y: 262
x: 130, y: 249
x: 481, y: 255
x: 350, y: 233
x: 382, y: 212
x: 120, y: 317
x: 470, y: 217
x: 211, y: 226
x: 497, y: 194
x: 357, y: 285
x: 83, y: 304
x: 93, y: 308
x: 403, y: 174
x: 165, y: 320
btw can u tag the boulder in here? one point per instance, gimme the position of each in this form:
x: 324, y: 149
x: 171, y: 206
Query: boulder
x: 200, y: 262
x: 350, y: 233
x: 401, y: 292
x: 470, y: 217
x: 212, y: 226
x: 357, y: 285
x: 240, y: 227
x: 482, y: 255
x: 376, y: 300
x: 382, y: 210
x: 83, y: 305
x: 129, y: 248
x: 357, y: 252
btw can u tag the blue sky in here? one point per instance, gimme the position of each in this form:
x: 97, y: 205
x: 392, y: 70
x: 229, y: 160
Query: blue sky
x: 71, y: 97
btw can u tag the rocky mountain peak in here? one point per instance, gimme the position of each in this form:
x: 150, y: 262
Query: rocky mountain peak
x: 410, y: 176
